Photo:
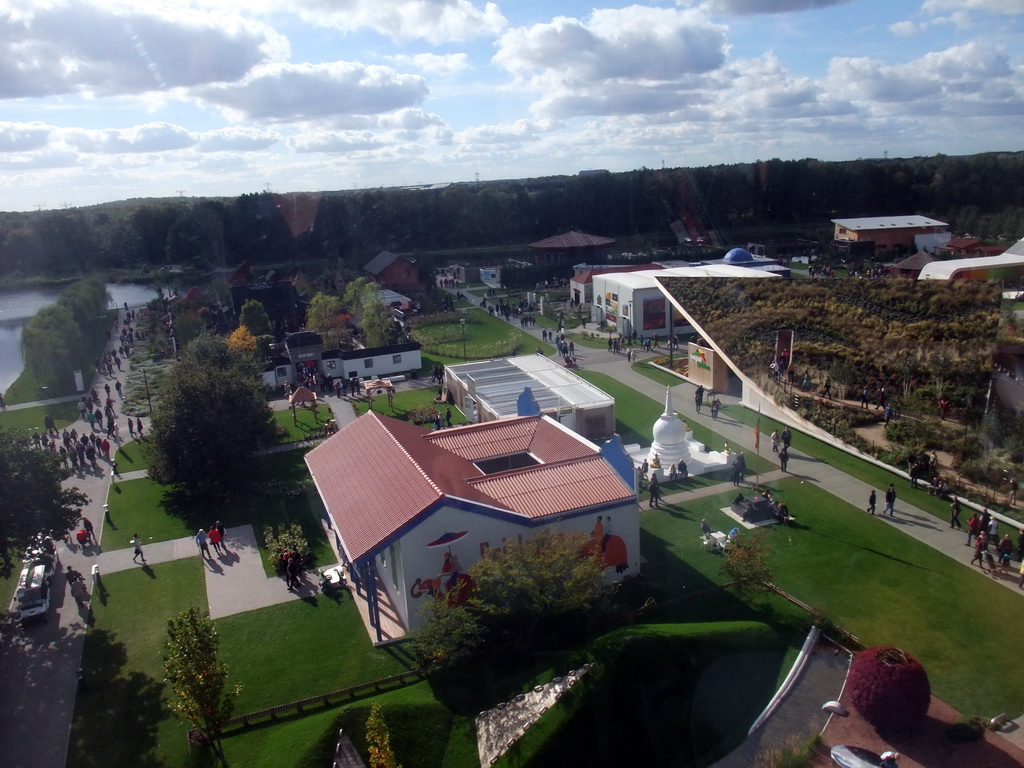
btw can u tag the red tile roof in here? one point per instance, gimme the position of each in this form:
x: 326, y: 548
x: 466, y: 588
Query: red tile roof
x: 573, y: 240
x: 543, y: 439
x: 962, y: 243
x: 550, y: 489
x: 378, y: 474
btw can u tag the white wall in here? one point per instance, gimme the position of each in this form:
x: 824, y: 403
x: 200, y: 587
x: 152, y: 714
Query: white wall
x: 380, y: 365
x: 416, y: 561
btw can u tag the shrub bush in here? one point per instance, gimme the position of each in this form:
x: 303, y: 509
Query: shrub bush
x: 286, y: 538
x: 966, y: 729
x: 889, y: 688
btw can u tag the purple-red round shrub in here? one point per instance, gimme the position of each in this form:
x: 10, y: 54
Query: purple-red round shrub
x: 889, y: 688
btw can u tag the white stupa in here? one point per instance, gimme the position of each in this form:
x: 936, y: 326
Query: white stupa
x: 673, y: 442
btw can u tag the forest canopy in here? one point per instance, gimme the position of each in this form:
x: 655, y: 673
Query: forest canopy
x: 982, y: 195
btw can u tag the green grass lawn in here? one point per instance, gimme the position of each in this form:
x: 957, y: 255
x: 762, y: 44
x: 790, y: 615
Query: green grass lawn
x: 158, y: 513
x: 666, y: 379
x: 131, y: 457
x: 486, y: 337
x: 591, y: 339
x: 304, y: 425
x: 29, y: 420
x: 120, y: 720
x: 407, y: 400
x: 870, y: 578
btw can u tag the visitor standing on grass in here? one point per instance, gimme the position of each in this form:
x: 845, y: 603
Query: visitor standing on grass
x: 890, y: 500
x: 202, y: 541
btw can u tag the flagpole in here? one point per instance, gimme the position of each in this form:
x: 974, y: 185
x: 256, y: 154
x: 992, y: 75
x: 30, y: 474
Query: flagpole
x: 757, y: 447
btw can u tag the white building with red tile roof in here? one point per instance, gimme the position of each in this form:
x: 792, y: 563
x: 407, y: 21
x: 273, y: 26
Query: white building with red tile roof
x: 400, y: 498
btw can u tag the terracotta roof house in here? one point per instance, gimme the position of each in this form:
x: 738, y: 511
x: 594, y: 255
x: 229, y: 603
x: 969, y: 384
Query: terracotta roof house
x: 394, y: 271
x: 570, y: 247
x: 405, y: 504
x: 912, y: 265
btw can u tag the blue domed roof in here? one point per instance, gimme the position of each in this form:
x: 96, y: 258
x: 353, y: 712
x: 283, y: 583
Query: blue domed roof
x: 737, y: 255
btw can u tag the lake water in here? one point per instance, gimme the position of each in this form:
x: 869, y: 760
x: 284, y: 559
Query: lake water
x: 16, y: 307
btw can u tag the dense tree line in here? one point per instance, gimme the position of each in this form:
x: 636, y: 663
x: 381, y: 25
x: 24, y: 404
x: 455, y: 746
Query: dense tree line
x: 980, y: 194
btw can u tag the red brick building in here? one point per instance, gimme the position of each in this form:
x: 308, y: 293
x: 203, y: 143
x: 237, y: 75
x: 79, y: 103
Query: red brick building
x: 395, y: 272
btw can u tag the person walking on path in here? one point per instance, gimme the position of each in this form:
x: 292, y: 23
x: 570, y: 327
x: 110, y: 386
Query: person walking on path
x: 698, y: 397
x: 784, y: 458
x: 871, y: 501
x: 890, y: 501
x: 655, y: 490
x: 787, y: 437
x: 223, y: 536
x: 980, y: 547
x: 215, y: 537
x: 973, y: 527
x: 90, y: 534
x: 137, y: 541
x: 202, y: 541
x: 954, y: 514
x: 775, y: 441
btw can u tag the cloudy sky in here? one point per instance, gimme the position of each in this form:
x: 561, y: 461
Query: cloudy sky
x: 106, y: 99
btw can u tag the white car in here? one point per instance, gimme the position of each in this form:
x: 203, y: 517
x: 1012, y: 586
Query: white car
x: 33, y: 592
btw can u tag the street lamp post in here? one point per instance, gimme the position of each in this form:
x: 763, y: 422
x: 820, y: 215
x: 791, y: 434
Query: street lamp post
x: 462, y: 322
x: 145, y: 380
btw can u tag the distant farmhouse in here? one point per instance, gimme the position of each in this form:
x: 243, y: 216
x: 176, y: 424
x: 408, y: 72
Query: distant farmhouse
x: 395, y: 272
x: 888, y: 236
x: 570, y: 248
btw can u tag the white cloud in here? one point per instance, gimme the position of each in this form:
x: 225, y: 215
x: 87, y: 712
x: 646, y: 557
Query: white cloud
x: 997, y: 7
x: 334, y: 141
x: 79, y: 47
x: 34, y: 161
x: 436, y: 21
x: 636, y: 43
x: 435, y: 64
x: 744, y: 7
x: 970, y: 71
x: 151, y: 137
x: 905, y: 28
x: 23, y: 137
x: 237, y: 139
x: 516, y: 133
x: 300, y: 92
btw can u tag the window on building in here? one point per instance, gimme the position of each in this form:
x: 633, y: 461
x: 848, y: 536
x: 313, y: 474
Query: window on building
x: 332, y: 365
x: 282, y: 372
x: 396, y: 359
x: 368, y: 362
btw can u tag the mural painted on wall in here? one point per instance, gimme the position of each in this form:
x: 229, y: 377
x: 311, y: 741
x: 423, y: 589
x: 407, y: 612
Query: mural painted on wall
x: 610, y: 548
x: 452, y: 582
x: 611, y: 307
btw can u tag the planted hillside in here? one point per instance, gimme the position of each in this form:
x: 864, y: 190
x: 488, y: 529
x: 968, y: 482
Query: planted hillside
x: 921, y: 342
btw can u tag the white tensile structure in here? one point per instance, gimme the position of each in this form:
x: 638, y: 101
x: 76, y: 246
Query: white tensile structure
x: 673, y: 442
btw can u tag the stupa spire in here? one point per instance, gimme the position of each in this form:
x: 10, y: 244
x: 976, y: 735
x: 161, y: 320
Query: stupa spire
x: 668, y: 402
